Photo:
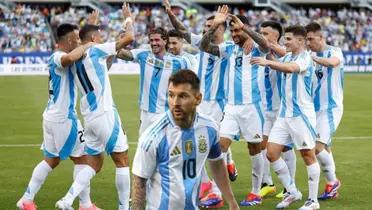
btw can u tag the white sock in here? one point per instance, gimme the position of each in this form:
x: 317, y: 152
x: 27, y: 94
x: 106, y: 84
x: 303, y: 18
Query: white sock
x: 281, y: 169
x: 84, y: 196
x: 290, y: 159
x: 204, y: 176
x: 266, y: 169
x: 333, y: 162
x: 38, y: 177
x: 215, y: 189
x: 122, y: 181
x: 313, y: 173
x: 325, y: 160
x: 257, y: 172
x: 228, y: 157
x: 81, y: 182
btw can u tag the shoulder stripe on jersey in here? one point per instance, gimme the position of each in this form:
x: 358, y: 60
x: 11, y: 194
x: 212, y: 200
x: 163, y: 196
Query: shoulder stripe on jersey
x: 83, y: 77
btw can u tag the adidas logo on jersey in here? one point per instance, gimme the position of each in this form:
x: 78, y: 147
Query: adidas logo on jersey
x: 176, y: 151
x: 257, y: 136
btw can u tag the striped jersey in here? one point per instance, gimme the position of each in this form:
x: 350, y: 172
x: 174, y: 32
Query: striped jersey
x: 62, y: 90
x: 296, y: 93
x: 191, y: 60
x: 243, y: 87
x: 172, y: 159
x: 154, y: 74
x: 329, y: 91
x: 92, y: 79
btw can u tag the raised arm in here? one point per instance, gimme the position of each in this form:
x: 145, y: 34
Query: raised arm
x: 329, y: 62
x: 93, y: 18
x: 177, y: 24
x: 128, y: 37
x: 74, y: 55
x: 289, y: 67
x: 138, y: 193
x: 257, y: 37
x: 206, y: 44
x: 277, y: 49
x: 125, y: 55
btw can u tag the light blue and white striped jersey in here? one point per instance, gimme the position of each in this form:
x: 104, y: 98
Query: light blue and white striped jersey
x: 191, y: 60
x: 329, y: 86
x: 270, y: 86
x: 92, y: 79
x: 155, y: 74
x: 62, y: 91
x: 243, y: 87
x: 172, y: 159
x: 297, y: 97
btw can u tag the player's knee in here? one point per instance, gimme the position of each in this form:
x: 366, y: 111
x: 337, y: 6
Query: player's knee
x: 120, y: 159
x: 254, y: 148
x: 319, y: 147
x: 79, y: 160
x: 52, y: 162
x: 308, y: 156
x: 225, y: 144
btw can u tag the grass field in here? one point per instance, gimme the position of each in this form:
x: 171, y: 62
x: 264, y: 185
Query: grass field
x: 22, y: 100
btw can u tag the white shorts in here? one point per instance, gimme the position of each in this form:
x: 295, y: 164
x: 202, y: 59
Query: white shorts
x: 270, y: 118
x: 63, y: 139
x: 213, y: 109
x: 246, y: 120
x: 147, y: 119
x: 297, y: 130
x: 327, y: 122
x: 104, y: 133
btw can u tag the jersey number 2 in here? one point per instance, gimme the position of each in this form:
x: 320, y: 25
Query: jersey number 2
x: 189, y: 168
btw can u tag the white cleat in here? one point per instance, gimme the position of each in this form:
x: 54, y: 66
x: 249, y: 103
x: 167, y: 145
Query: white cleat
x: 288, y: 199
x: 63, y: 205
x: 310, y: 205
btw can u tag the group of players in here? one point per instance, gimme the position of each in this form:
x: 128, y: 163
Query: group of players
x: 274, y: 97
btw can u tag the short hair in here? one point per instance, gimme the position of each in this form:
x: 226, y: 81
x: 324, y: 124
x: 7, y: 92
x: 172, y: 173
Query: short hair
x: 175, y: 33
x: 212, y: 18
x: 86, y: 31
x: 313, y: 27
x: 159, y: 30
x: 242, y: 18
x: 185, y: 76
x: 297, y: 30
x: 64, y: 29
x: 274, y: 25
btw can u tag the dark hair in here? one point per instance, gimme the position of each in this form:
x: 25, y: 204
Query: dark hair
x: 185, y: 76
x: 159, y: 30
x: 86, y: 31
x: 297, y: 30
x: 175, y: 33
x: 274, y: 25
x: 242, y: 18
x: 212, y: 18
x: 313, y: 27
x: 64, y: 29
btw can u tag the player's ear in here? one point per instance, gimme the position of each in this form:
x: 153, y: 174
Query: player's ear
x: 198, y: 97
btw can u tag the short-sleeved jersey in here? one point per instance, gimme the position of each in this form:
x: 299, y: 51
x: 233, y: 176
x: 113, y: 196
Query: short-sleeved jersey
x: 155, y: 74
x: 62, y: 91
x: 296, y: 93
x: 92, y: 79
x: 243, y: 77
x: 172, y: 160
x: 191, y: 60
x: 329, y: 84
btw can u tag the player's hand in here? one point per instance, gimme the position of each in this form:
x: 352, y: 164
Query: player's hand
x: 221, y: 15
x: 247, y: 46
x: 126, y: 11
x: 166, y: 4
x: 236, y: 22
x: 259, y: 61
x: 93, y: 18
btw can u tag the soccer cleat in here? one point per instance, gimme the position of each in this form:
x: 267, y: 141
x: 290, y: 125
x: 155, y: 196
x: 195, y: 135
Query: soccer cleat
x: 330, y: 191
x: 251, y: 200
x: 288, y: 199
x: 23, y: 204
x: 267, y: 189
x: 310, y: 205
x: 63, y: 205
x: 211, y: 201
x: 92, y: 207
x: 204, y: 189
x: 281, y: 194
x: 233, y: 172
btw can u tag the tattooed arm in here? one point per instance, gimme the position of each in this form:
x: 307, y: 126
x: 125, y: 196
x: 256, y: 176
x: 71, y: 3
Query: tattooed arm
x: 138, y: 193
x: 177, y: 24
x: 125, y: 55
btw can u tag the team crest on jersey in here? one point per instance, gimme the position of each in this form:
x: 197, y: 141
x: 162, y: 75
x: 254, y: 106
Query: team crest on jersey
x: 168, y: 64
x: 150, y: 61
x: 202, y: 144
x: 189, y: 147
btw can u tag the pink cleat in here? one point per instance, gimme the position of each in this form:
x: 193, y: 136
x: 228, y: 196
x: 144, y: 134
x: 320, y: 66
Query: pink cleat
x: 204, y: 189
x: 23, y: 204
x: 92, y: 207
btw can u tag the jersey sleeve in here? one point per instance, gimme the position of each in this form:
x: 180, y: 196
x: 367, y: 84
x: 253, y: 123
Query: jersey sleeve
x: 144, y: 162
x: 225, y: 49
x: 136, y: 54
x: 190, y: 62
x: 337, y: 52
x: 105, y: 49
x: 215, y: 152
x: 303, y: 61
x: 195, y: 39
x: 57, y: 57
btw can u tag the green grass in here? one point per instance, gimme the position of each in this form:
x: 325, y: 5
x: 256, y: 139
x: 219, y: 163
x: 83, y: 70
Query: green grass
x: 22, y: 100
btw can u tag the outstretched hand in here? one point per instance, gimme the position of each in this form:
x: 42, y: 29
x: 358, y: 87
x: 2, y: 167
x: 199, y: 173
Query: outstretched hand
x: 259, y: 61
x: 166, y: 4
x: 235, y: 21
x: 93, y: 18
x: 126, y: 11
x: 221, y: 14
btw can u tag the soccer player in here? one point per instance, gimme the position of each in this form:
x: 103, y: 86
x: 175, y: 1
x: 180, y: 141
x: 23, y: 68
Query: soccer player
x: 156, y: 66
x: 212, y: 72
x: 296, y: 121
x: 243, y: 111
x: 172, y: 152
x: 62, y: 131
x: 102, y: 121
x: 270, y: 86
x: 328, y: 101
